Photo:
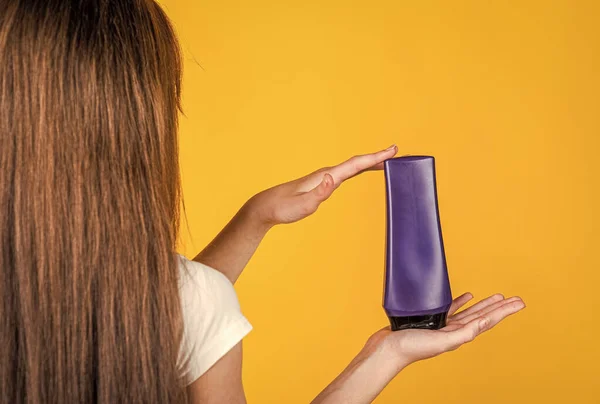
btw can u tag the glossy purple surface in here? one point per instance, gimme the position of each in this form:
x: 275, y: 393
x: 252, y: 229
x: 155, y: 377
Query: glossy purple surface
x: 416, y: 276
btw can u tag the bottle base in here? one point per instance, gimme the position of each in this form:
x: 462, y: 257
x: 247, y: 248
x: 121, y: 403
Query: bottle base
x: 423, y: 322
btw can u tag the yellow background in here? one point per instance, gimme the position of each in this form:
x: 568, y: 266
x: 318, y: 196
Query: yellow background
x: 504, y: 94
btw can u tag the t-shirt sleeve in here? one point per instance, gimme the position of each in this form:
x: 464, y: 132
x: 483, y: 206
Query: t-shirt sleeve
x: 212, y: 320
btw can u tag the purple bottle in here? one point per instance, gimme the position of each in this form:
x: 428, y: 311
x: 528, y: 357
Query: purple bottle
x: 417, y: 289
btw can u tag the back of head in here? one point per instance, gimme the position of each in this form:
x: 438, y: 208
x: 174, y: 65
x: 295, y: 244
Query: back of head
x: 89, y: 199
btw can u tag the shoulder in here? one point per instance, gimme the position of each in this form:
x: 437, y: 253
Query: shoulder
x: 201, y: 284
x: 212, y: 320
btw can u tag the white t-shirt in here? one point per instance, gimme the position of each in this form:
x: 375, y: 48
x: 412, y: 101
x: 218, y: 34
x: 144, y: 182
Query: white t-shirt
x: 212, y: 320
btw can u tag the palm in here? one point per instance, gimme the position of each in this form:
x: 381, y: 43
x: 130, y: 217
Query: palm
x: 295, y: 200
x: 462, y: 327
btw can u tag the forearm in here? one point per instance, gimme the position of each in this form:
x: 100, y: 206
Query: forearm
x: 233, y: 247
x: 364, y: 378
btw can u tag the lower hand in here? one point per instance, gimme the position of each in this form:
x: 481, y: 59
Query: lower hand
x: 388, y: 352
x: 412, y: 345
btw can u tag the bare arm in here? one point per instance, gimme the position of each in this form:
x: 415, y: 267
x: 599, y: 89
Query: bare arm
x: 233, y: 247
x: 384, y: 355
x: 222, y: 383
x: 364, y: 378
x: 387, y: 353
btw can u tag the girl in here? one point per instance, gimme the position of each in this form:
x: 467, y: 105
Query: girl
x: 95, y: 305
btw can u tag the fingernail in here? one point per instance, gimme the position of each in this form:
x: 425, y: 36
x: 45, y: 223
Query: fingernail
x: 391, y: 147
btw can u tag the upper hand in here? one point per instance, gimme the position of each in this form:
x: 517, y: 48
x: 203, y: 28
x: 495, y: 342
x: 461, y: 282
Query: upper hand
x: 295, y: 200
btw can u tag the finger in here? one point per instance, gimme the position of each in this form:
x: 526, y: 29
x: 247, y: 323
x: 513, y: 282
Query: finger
x: 358, y: 164
x: 486, y: 310
x: 459, y: 302
x: 453, y: 324
x: 451, y: 327
x: 379, y: 166
x: 478, y: 306
x: 479, y: 325
x: 312, y: 198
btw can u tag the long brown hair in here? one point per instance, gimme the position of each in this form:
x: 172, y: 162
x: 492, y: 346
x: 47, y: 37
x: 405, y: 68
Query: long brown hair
x: 89, y: 202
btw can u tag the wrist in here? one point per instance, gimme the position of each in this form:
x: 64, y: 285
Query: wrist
x: 365, y: 377
x: 254, y: 216
x: 380, y: 347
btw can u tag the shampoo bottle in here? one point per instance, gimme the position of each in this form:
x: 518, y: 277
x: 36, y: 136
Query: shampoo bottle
x: 417, y: 289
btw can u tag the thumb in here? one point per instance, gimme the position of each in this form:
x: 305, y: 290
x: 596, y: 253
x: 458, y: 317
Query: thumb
x: 321, y: 192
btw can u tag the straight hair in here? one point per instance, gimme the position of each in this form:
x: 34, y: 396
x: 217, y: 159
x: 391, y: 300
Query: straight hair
x: 89, y: 202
